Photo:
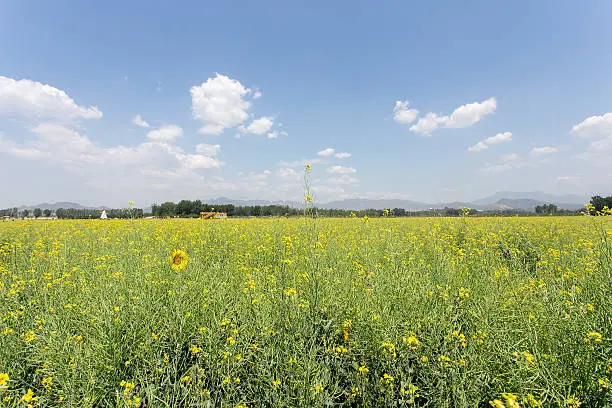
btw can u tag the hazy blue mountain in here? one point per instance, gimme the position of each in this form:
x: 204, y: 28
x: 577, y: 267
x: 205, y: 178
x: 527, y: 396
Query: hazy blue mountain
x: 55, y: 206
x: 522, y: 202
x: 533, y: 195
x: 502, y: 200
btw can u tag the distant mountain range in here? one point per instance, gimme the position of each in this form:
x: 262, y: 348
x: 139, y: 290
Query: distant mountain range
x: 503, y: 200
x: 62, y: 204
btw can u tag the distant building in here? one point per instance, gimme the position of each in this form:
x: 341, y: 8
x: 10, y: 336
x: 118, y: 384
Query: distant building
x: 210, y: 214
x: 103, y: 215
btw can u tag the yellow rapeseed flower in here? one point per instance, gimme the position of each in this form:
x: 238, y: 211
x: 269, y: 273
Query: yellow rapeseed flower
x: 594, y: 336
x: 179, y: 260
x: 29, y: 396
x: 47, y: 382
x: 4, y: 377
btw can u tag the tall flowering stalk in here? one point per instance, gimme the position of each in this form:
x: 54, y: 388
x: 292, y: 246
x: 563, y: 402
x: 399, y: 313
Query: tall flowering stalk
x: 308, y: 200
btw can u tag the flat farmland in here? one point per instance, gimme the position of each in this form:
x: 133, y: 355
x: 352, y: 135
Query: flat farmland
x: 440, y: 312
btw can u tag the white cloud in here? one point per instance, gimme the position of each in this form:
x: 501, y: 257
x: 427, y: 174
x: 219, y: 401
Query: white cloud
x: 326, y: 152
x: 509, y: 162
x: 462, y: 117
x: 167, y: 133
x: 219, y: 103
x: 598, y: 152
x: 594, y: 127
x: 342, y: 155
x: 402, y: 114
x: 35, y: 100
x: 259, y: 176
x: 426, y: 124
x: 484, y: 144
x: 543, y: 151
x: 288, y: 173
x: 300, y: 163
x: 257, y: 94
x: 208, y: 149
x: 261, y: 125
x: 341, y: 170
x: 275, y: 134
x: 65, y: 148
x: 343, y: 179
x: 467, y: 115
x: 139, y: 121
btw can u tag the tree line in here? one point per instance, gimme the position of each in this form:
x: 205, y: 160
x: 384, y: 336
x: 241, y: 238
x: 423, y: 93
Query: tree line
x: 193, y: 208
x: 598, y: 203
x: 73, y: 213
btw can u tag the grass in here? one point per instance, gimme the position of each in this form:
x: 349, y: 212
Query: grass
x: 300, y: 312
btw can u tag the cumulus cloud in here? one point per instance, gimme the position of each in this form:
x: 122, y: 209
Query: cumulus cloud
x: 288, y: 173
x: 260, y: 126
x: 484, y: 144
x: 35, y: 100
x: 139, y: 121
x: 275, y: 134
x: 330, y: 151
x: 594, y: 127
x: 402, y: 114
x: 543, y: 151
x: 599, y: 151
x: 462, y: 117
x: 259, y: 176
x: 300, y: 163
x: 509, y: 162
x: 427, y: 124
x: 341, y: 170
x: 64, y: 147
x: 471, y: 113
x: 220, y: 104
x: 326, y: 152
x: 208, y: 149
x: 167, y: 133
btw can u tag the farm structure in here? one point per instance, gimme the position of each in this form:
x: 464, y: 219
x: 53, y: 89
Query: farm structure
x: 211, y: 214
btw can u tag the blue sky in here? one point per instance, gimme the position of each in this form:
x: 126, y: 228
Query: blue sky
x: 236, y: 96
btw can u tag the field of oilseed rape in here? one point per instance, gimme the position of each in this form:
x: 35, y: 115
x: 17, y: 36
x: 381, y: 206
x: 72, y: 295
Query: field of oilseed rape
x: 438, y: 312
